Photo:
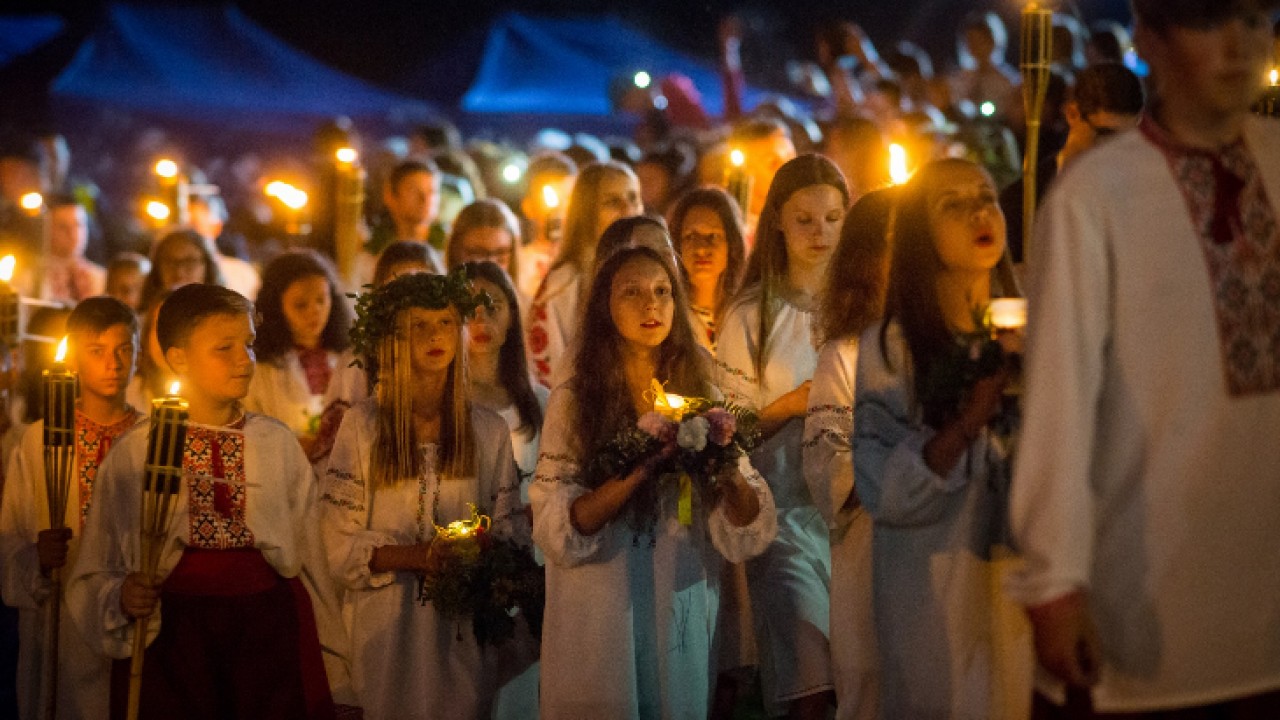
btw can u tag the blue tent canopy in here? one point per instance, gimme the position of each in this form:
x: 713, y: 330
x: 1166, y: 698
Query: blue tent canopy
x: 557, y: 66
x: 20, y: 34
x: 212, y: 63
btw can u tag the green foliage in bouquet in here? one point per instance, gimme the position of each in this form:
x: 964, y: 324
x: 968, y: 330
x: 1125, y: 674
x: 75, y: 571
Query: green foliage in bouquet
x: 491, y: 580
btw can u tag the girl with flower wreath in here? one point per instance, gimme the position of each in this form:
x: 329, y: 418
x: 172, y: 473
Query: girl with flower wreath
x: 927, y: 468
x: 767, y: 353
x: 407, y: 461
x: 632, y: 590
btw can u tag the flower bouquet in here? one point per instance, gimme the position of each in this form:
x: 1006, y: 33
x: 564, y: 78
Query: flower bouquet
x: 491, y: 580
x: 703, y: 437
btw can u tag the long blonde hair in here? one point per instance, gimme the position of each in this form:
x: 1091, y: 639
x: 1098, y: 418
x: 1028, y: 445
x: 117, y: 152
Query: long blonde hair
x: 396, y: 453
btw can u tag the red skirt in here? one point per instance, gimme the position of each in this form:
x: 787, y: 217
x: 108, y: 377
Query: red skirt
x: 237, y: 641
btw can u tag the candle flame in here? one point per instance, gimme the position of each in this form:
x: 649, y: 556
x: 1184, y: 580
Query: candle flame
x: 167, y: 168
x: 737, y: 158
x: 31, y: 201
x: 1275, y: 77
x: 174, y: 387
x: 157, y: 210
x: 346, y: 155
x: 1008, y: 313
x: 6, y: 268
x: 293, y: 198
x: 898, y: 172
x: 61, y: 354
x: 549, y: 197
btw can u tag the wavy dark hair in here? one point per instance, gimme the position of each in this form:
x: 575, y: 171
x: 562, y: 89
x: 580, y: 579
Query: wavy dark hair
x: 723, y: 205
x: 858, y: 277
x: 912, y: 298
x: 603, y: 402
x: 766, y: 275
x: 274, y: 338
x: 513, y: 365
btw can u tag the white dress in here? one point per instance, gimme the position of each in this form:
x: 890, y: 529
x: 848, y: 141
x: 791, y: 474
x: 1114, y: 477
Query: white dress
x: 408, y: 662
x: 828, y: 471
x: 83, y: 672
x: 279, y: 389
x: 630, y: 622
x: 950, y: 644
x: 790, y: 581
x: 552, y: 323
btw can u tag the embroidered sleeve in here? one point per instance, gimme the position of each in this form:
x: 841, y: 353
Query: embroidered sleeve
x: 349, y: 544
x: 735, y: 543
x: 735, y: 366
x: 827, y: 448
x: 556, y: 485
x: 510, y: 518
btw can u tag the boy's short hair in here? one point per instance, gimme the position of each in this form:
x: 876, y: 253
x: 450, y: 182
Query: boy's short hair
x: 1108, y: 87
x: 1163, y: 14
x: 97, y: 314
x: 406, y: 168
x: 187, y: 306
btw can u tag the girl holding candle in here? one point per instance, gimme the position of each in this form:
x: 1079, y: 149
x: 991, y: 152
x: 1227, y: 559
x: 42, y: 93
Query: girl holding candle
x: 302, y: 345
x: 103, y: 334
x: 232, y: 630
x: 929, y: 472
x: 406, y: 461
x: 852, y: 300
x: 706, y: 229
x: 632, y: 592
x: 768, y: 356
x: 602, y: 193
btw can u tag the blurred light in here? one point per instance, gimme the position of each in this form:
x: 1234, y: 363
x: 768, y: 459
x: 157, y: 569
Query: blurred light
x: 275, y: 187
x: 737, y: 158
x: 898, y: 172
x: 174, y: 388
x: 346, y: 155
x: 61, y: 353
x: 158, y: 210
x: 167, y: 168
x: 31, y: 201
x: 6, y: 268
x: 549, y: 197
x: 643, y: 80
x: 1275, y: 77
x: 660, y: 102
x: 292, y: 197
x: 511, y: 173
x: 987, y: 109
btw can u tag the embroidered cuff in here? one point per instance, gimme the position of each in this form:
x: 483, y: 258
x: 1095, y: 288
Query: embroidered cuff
x: 738, y: 543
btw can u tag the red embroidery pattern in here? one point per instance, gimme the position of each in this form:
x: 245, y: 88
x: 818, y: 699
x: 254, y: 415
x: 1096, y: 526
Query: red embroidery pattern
x: 1240, y: 238
x: 316, y: 368
x: 214, y: 467
x: 92, y: 443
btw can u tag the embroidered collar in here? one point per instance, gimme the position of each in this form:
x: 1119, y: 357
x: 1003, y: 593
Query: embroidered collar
x: 1170, y: 145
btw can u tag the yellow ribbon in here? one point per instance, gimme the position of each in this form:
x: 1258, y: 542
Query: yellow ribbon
x: 685, y: 506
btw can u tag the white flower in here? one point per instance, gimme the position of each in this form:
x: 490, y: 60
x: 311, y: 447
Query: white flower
x: 693, y: 434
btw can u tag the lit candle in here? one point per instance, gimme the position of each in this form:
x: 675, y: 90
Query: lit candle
x: 10, y: 305
x: 166, y: 442
x: 1008, y: 313
x: 294, y: 200
x: 33, y: 204
x: 60, y: 385
x: 553, y: 222
x: 898, y: 172
x: 670, y: 406
x: 1275, y: 77
x: 174, y: 188
x: 738, y: 181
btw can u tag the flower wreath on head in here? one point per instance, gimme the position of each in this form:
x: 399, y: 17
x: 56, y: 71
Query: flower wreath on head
x: 377, y: 308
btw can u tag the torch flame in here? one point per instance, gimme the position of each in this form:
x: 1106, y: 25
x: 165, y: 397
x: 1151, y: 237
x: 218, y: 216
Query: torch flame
x: 167, y: 168
x: 549, y: 197
x: 6, y: 268
x: 61, y: 354
x: 346, y: 155
x: 174, y: 387
x: 31, y: 201
x: 737, y: 158
x: 158, y: 210
x: 1275, y: 77
x: 898, y: 172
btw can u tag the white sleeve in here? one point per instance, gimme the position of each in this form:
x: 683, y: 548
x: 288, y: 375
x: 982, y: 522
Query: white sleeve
x: 546, y: 339
x: 344, y: 499
x: 827, y: 448
x: 1069, y: 326
x: 736, y: 543
x: 23, y: 585
x: 556, y: 485
x: 509, y: 517
x: 735, y: 363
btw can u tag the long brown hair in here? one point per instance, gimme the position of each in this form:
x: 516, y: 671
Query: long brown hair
x: 396, y: 457
x: 719, y: 202
x: 766, y: 275
x: 858, y: 276
x: 912, y: 299
x: 581, y: 231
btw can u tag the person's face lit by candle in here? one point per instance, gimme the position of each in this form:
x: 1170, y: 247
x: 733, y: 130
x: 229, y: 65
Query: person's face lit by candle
x: 487, y: 243
x: 68, y: 231
x: 762, y: 157
x: 704, y: 250
x: 487, y: 331
x: 641, y: 303
x: 619, y: 197
x: 965, y: 218
x: 216, y: 360
x: 180, y: 263
x: 434, y: 337
x: 413, y: 203
x: 810, y: 221
x: 105, y: 360
x: 306, y: 304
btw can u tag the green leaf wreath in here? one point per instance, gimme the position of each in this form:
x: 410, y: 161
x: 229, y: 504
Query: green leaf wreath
x: 377, y: 308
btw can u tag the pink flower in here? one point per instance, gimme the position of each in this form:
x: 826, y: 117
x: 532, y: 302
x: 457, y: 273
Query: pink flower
x: 723, y: 425
x: 657, y: 426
